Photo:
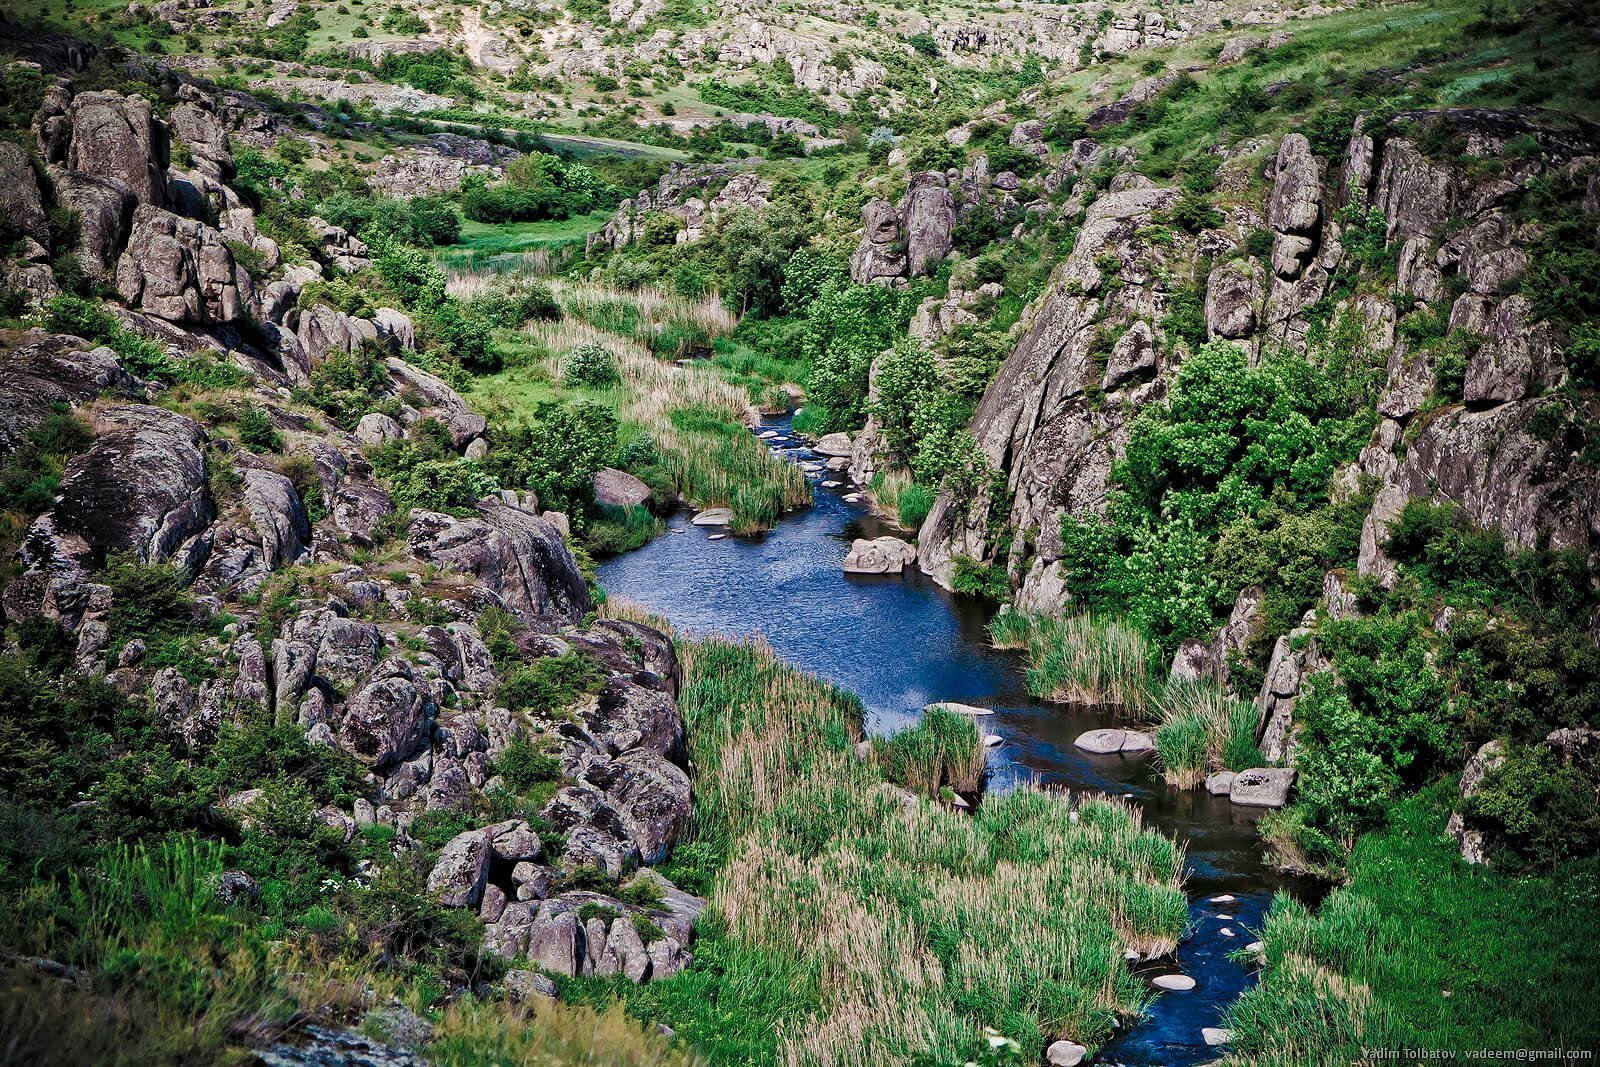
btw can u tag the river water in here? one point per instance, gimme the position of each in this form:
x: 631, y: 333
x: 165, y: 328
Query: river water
x: 900, y: 642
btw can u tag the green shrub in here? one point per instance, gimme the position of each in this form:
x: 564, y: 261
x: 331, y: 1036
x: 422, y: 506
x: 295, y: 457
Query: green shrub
x: 523, y: 765
x: 590, y: 366
x: 912, y: 505
x: 256, y: 430
x: 548, y: 685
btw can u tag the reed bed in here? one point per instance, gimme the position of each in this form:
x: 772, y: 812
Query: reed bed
x: 905, y: 929
x: 1202, y: 726
x: 1082, y: 659
x: 944, y: 750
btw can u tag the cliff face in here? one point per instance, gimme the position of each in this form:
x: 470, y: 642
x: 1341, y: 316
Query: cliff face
x: 1097, y: 346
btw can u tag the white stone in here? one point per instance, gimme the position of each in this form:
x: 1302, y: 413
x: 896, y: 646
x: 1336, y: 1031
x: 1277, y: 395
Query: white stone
x: 1102, y: 742
x: 1216, y: 1035
x: 959, y: 709
x: 1135, y: 741
x: 993, y: 741
x: 1065, y: 1054
x: 1220, y: 783
x: 833, y: 444
x: 1177, y: 983
x: 1223, y: 898
x: 713, y: 517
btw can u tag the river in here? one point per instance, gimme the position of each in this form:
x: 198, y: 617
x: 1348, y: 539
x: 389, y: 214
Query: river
x: 901, y: 642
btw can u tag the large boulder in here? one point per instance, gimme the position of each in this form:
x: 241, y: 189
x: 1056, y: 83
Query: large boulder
x: 883, y: 555
x: 619, y: 489
x: 512, y: 552
x: 929, y: 212
x: 104, y: 207
x: 384, y: 720
x: 1484, y: 761
x: 21, y: 204
x: 116, y: 136
x: 881, y: 255
x: 458, y: 877
x: 1294, y: 207
x: 435, y: 399
x: 50, y: 371
x: 1262, y: 787
x: 180, y: 270
x: 140, y: 490
x: 201, y: 130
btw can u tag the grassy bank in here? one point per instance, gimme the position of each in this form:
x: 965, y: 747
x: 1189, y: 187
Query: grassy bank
x: 1421, y: 950
x: 1084, y: 659
x: 850, y: 926
x: 682, y: 426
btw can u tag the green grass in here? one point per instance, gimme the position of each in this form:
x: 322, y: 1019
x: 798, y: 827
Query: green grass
x: 504, y: 246
x: 848, y: 927
x: 1425, y: 951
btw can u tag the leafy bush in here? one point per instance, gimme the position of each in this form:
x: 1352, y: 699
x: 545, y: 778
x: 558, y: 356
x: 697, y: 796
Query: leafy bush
x: 1230, y: 440
x: 590, y: 366
x: 1537, y: 811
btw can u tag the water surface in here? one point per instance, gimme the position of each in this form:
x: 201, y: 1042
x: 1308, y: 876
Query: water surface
x: 900, y: 642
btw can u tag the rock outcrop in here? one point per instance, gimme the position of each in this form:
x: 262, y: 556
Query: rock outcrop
x: 908, y: 240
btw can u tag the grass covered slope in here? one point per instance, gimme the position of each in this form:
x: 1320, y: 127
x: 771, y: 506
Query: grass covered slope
x: 1421, y: 950
x: 854, y: 925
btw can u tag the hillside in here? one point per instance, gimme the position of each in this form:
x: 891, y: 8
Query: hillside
x: 1236, y: 364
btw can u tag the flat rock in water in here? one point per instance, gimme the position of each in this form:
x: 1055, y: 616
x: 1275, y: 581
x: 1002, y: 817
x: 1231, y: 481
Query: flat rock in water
x: 713, y: 517
x: 1134, y: 742
x: 1263, y: 787
x: 839, y: 463
x: 993, y: 741
x: 716, y: 537
x: 1219, y: 784
x: 1223, y: 898
x: 1215, y: 1035
x: 881, y: 555
x: 1256, y: 947
x: 959, y: 709
x: 1177, y: 983
x: 1065, y: 1054
x: 833, y: 445
x: 1103, y: 742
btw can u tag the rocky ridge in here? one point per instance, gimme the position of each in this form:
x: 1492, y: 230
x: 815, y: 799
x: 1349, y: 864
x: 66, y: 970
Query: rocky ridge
x: 403, y: 664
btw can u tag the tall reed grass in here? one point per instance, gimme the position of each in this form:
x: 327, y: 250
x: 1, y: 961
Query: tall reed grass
x: 944, y: 750
x: 902, y: 930
x: 1082, y: 659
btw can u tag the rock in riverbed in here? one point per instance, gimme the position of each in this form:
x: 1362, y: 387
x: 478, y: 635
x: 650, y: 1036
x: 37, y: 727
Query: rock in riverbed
x: 1262, y: 787
x: 959, y: 709
x: 833, y: 445
x: 1175, y: 983
x: 1065, y: 1054
x: 882, y: 555
x: 1215, y: 1035
x: 1219, y: 784
x: 1105, y: 742
x: 713, y: 517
